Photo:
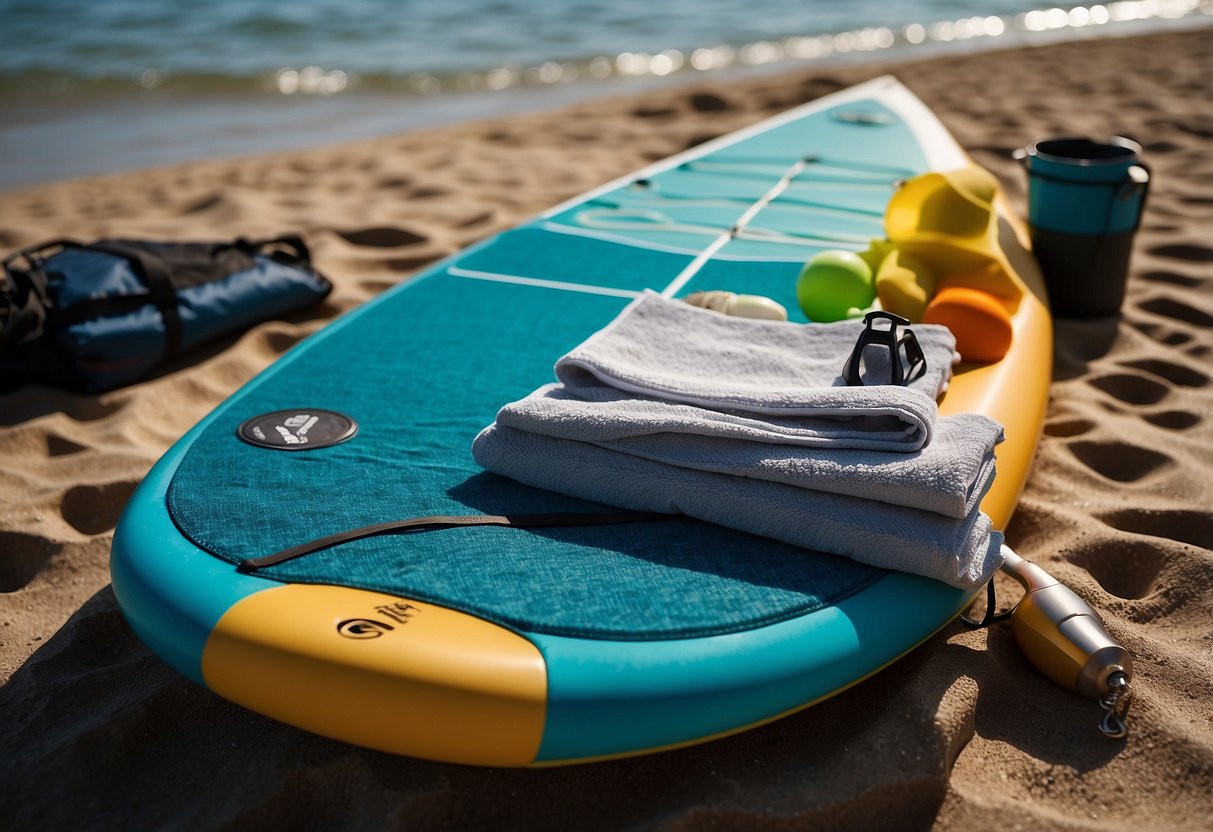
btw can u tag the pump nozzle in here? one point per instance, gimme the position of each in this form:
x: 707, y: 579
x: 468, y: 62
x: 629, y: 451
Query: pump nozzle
x: 1062, y: 636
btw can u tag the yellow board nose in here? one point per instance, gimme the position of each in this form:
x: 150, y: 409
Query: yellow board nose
x: 383, y: 672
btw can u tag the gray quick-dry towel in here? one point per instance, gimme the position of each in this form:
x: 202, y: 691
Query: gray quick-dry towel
x: 786, y: 374
x: 949, y: 476
x: 749, y: 424
x: 961, y: 552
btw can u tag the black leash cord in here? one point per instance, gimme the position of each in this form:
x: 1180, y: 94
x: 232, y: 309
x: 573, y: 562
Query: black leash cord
x: 438, y: 522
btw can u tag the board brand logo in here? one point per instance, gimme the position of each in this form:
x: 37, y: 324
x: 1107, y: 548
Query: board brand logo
x: 362, y: 628
x: 297, y: 430
x: 300, y: 423
x: 399, y: 612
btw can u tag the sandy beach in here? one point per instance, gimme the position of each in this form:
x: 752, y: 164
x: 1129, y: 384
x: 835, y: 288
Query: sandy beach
x: 97, y: 733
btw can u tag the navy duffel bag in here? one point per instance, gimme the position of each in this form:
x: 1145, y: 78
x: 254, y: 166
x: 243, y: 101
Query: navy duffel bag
x: 97, y: 316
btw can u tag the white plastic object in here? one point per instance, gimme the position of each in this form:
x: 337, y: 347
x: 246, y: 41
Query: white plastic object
x: 739, y: 306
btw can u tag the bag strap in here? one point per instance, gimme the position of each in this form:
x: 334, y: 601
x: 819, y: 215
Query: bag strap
x: 155, y: 273
x: 438, y: 522
x: 30, y: 252
x: 24, y: 300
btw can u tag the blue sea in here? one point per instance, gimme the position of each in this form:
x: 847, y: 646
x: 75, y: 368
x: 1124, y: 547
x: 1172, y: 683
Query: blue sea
x: 89, y: 86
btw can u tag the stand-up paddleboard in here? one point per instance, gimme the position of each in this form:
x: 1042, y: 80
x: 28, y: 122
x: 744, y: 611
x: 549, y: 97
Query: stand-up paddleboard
x: 503, y: 646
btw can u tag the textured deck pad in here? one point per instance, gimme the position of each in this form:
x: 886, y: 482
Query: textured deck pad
x: 418, y: 410
x: 426, y: 368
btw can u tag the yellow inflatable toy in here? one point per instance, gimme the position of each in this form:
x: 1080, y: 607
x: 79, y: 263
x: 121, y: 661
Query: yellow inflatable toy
x: 947, y: 220
x: 942, y: 262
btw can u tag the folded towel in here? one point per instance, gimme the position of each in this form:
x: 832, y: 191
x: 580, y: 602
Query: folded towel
x: 749, y: 424
x: 963, y: 553
x: 669, y: 350
x: 949, y: 476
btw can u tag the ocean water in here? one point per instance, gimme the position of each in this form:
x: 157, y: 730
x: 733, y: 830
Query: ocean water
x: 97, y: 85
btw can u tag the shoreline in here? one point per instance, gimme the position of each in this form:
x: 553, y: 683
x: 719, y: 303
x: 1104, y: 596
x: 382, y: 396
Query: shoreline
x: 141, y: 129
x: 96, y: 732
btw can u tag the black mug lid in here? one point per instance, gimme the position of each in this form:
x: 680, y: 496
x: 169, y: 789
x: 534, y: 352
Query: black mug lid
x: 1115, y: 150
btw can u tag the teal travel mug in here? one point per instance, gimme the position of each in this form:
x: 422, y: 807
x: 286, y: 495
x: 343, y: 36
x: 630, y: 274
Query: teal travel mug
x: 1085, y: 201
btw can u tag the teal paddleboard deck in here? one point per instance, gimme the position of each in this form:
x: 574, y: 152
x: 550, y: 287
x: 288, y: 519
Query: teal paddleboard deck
x: 507, y: 646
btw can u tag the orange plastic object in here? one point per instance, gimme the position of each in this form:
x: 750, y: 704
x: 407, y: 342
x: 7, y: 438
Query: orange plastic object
x: 979, y: 321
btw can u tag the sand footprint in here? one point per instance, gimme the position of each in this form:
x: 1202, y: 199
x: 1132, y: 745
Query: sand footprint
x: 1182, y: 525
x: 57, y: 445
x: 1119, y: 461
x: 1173, y: 278
x: 93, y: 509
x: 382, y: 237
x: 25, y: 556
x: 1178, y: 374
x: 1171, y: 308
x: 1131, y: 389
x: 1125, y: 568
x: 1063, y: 428
x: 1174, y: 419
x: 1192, y: 252
x: 706, y: 102
x: 281, y: 340
x: 1196, y: 200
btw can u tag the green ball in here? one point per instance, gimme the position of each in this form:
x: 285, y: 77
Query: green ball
x: 833, y: 285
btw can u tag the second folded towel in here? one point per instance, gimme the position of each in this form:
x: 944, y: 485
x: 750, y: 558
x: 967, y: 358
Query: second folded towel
x: 749, y: 424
